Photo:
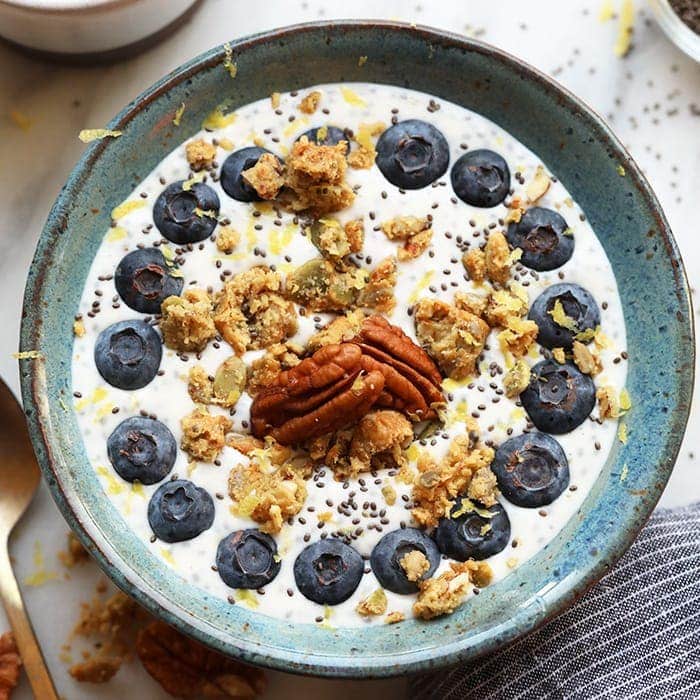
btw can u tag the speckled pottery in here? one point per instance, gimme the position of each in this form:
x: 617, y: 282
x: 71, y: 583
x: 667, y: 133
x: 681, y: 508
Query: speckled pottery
x: 601, y: 177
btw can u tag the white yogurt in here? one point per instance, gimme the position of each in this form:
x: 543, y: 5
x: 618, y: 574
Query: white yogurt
x: 167, y: 397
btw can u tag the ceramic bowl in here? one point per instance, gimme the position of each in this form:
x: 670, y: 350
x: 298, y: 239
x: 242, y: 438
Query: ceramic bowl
x: 572, y: 141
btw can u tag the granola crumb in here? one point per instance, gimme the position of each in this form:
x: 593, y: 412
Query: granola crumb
x: 608, y: 402
x: 415, y: 233
x: 379, y: 441
x: 474, y: 261
x: 517, y: 379
x: 415, y: 564
x: 187, y: 324
x: 378, y: 292
x: 251, y: 313
x: 78, y: 329
x: 275, y: 99
x: 438, y: 484
x: 518, y: 336
x: 559, y: 355
x: 227, y: 239
x: 393, y: 617
x: 309, y: 103
x: 374, y: 604
x: 538, y: 186
x: 10, y: 665
x: 363, y: 157
x: 204, y: 434
x: 265, y: 369
x: 315, y: 178
x: 443, y: 594
x: 335, y: 241
x: 266, y: 176
x: 200, y: 154
x: 453, y: 336
x: 95, y: 670
x: 339, y: 330
x: 497, y: 258
x: 482, y: 487
x: 503, y: 304
x: 74, y: 554
x: 223, y: 389
x: 585, y: 360
x: 389, y: 493
x: 270, y: 488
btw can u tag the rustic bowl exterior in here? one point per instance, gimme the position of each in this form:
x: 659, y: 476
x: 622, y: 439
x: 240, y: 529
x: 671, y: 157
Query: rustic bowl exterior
x: 570, y: 139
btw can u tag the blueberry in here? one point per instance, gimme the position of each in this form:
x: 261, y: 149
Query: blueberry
x: 541, y: 235
x: 388, y: 552
x: 481, y: 178
x: 179, y: 510
x: 128, y: 353
x: 142, y: 449
x: 333, y: 135
x: 186, y: 216
x: 328, y: 571
x: 473, y: 531
x: 579, y: 309
x: 412, y: 154
x: 143, y: 279
x: 231, y: 179
x: 247, y: 559
x: 559, y: 397
x: 532, y: 470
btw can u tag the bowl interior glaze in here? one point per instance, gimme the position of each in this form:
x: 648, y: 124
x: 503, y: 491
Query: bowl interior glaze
x: 570, y: 139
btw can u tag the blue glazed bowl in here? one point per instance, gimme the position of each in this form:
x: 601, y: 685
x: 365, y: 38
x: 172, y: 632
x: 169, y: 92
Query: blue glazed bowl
x: 571, y: 140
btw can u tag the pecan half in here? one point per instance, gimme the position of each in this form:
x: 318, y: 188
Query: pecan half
x: 412, y: 380
x: 185, y: 668
x: 323, y: 393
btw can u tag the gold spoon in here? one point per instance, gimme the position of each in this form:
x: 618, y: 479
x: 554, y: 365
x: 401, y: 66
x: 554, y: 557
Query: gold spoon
x: 20, y: 479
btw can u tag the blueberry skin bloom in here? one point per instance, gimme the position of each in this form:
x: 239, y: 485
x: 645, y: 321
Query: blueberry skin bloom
x: 142, y: 449
x: 186, y: 216
x: 412, y: 154
x: 481, y: 178
x: 540, y: 234
x: 559, y: 397
x: 394, y: 546
x: 143, y: 280
x: 577, y: 303
x: 128, y: 354
x: 333, y: 136
x: 473, y: 531
x: 327, y: 572
x: 532, y: 470
x: 247, y: 559
x: 180, y: 511
x: 231, y: 173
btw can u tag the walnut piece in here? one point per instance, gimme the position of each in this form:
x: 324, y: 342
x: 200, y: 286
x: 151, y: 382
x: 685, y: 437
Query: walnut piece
x: 374, y: 604
x: 443, y: 594
x: 323, y: 393
x: 412, y: 381
x: 10, y: 664
x: 437, y: 485
x: 266, y: 176
x: 269, y: 489
x: 204, y: 434
x: 453, y: 337
x: 200, y: 154
x: 251, y: 313
x: 185, y: 668
x: 415, y: 564
x: 187, y: 324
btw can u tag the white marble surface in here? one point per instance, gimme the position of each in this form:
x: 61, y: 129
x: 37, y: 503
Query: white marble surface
x: 651, y: 98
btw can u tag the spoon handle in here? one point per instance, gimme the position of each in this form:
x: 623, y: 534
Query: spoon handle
x: 34, y: 664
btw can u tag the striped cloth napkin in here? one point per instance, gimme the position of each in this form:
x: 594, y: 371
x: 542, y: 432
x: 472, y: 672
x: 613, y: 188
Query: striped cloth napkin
x: 636, y: 634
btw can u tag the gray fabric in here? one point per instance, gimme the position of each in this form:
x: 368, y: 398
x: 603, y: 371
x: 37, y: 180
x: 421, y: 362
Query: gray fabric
x: 636, y: 634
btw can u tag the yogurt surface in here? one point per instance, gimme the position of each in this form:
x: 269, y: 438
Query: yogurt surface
x: 273, y: 238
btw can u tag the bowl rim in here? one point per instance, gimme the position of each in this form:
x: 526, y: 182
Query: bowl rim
x: 298, y: 661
